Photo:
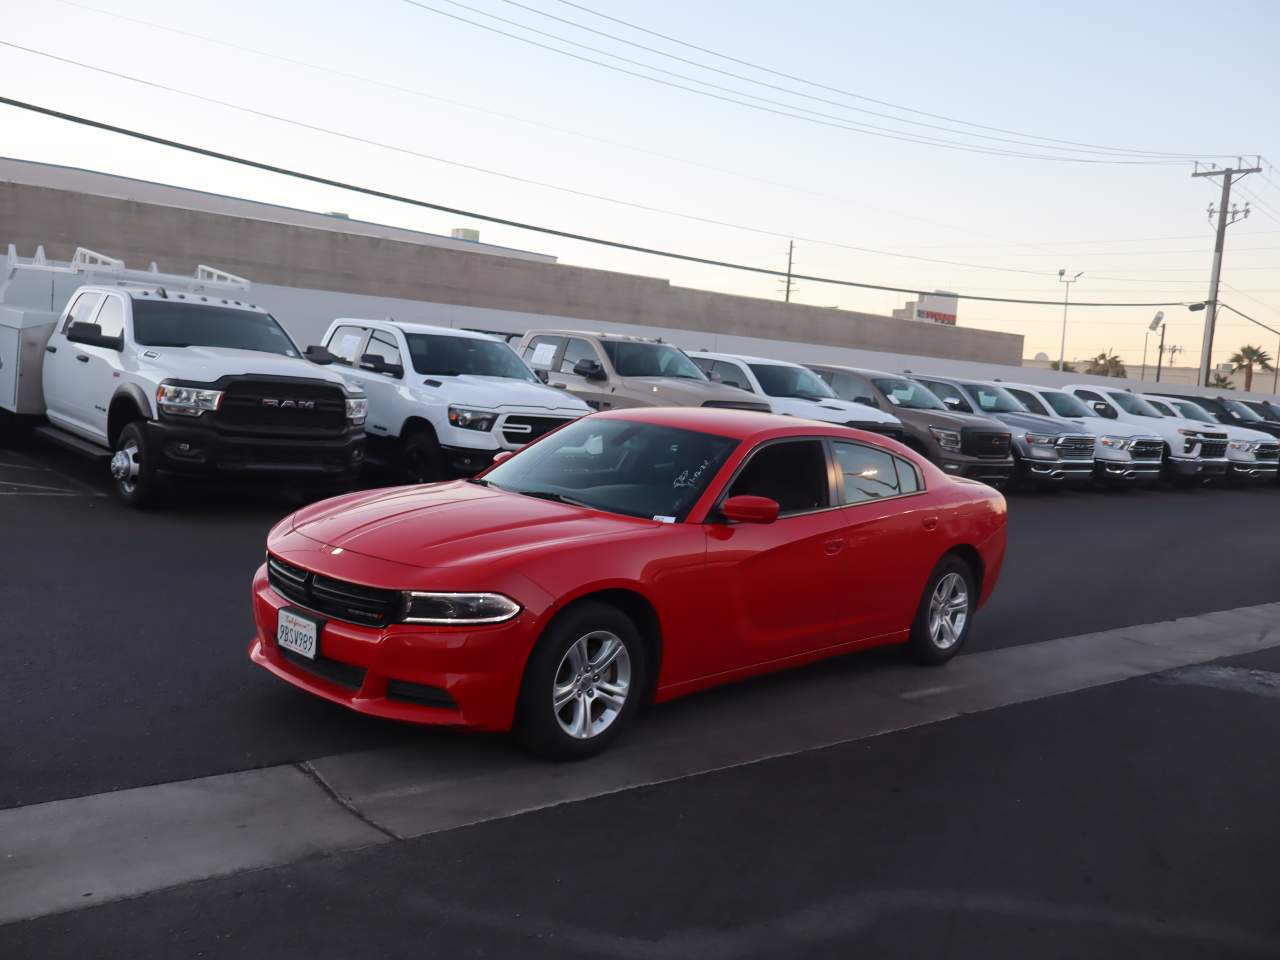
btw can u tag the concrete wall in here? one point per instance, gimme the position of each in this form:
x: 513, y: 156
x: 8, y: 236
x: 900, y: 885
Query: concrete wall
x: 290, y: 255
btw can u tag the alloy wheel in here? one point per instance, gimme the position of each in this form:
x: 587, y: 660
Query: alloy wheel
x: 591, y: 684
x: 948, y: 611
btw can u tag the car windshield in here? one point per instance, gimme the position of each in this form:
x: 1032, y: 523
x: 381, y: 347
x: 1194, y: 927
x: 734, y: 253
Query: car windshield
x: 619, y: 466
x: 638, y: 359
x: 778, y: 380
x: 1164, y: 409
x: 169, y: 323
x: 445, y: 356
x: 1065, y: 405
x: 993, y: 399
x: 1134, y: 405
x: 1240, y: 410
x: 1193, y: 411
x: 906, y: 393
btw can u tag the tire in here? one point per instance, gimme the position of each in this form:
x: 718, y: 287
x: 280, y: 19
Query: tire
x: 932, y: 641
x: 421, y: 459
x: 133, y: 468
x: 599, y: 704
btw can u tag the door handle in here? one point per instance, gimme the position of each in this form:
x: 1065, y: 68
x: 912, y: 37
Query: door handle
x: 49, y: 348
x: 930, y: 523
x: 82, y: 358
x: 832, y: 547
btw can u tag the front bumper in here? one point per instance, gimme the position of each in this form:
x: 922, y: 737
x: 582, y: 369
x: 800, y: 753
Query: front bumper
x: 1127, y: 472
x: 1186, y: 468
x: 1056, y: 471
x: 196, y: 449
x: 443, y: 676
x: 995, y: 472
x: 1255, y: 471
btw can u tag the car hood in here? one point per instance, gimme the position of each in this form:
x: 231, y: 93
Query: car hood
x: 1099, y: 427
x: 449, y: 524
x: 1033, y: 422
x: 499, y: 393
x: 207, y: 364
x: 949, y: 419
x: 1243, y: 434
x: 683, y: 392
x: 831, y: 410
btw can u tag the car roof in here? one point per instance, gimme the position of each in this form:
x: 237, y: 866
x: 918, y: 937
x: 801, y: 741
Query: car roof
x: 724, y: 421
x: 598, y: 334
x: 173, y: 296
x: 411, y: 326
x: 745, y: 358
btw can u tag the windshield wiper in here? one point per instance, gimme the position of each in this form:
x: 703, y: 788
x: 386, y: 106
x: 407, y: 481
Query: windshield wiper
x: 552, y: 495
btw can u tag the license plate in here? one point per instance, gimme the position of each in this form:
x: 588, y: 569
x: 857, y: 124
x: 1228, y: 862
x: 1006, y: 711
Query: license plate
x: 298, y: 633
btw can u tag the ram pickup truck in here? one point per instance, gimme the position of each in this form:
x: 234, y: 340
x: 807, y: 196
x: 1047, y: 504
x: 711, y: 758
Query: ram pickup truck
x: 1193, y: 452
x: 1123, y: 454
x: 961, y: 444
x: 1252, y: 456
x: 611, y: 371
x: 795, y: 391
x: 1048, y: 452
x: 443, y: 402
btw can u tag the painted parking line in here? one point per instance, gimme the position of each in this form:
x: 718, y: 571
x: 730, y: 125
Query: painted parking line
x: 22, y: 476
x: 68, y: 854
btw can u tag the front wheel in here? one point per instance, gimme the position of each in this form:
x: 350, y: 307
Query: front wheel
x: 582, y: 684
x: 132, y: 469
x: 421, y: 459
x: 945, y: 614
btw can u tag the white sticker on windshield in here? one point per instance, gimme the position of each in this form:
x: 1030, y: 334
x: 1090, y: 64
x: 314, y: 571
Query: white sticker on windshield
x: 542, y: 354
x: 346, y: 345
x: 665, y: 519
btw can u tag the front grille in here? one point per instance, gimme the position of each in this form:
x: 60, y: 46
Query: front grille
x: 343, y: 674
x: 352, y: 602
x: 1075, y: 447
x: 1268, y: 451
x: 519, y: 429
x: 738, y: 405
x: 984, y: 443
x: 1213, y: 449
x: 1146, y: 449
x: 273, y: 405
x: 419, y: 693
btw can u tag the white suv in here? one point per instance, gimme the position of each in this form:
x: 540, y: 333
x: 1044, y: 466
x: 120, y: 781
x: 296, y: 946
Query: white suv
x: 1251, y: 454
x: 443, y: 402
x: 1123, y: 453
x: 1192, y: 451
x: 795, y: 391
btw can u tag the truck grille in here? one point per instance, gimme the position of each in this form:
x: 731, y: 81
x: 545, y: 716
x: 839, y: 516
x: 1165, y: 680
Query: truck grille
x: 1213, y: 449
x: 984, y: 443
x: 274, y: 405
x: 1146, y: 449
x: 352, y: 602
x: 1268, y: 451
x: 1075, y: 447
x: 519, y: 429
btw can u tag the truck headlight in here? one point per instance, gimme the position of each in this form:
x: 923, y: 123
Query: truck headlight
x: 469, y: 419
x: 187, y: 401
x: 947, y: 439
x: 456, y: 608
x: 1244, y: 446
x: 1188, y: 433
x: 1041, y: 439
x: 1117, y: 443
x: 357, y: 409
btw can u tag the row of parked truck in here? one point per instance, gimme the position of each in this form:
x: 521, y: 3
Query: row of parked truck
x: 164, y: 377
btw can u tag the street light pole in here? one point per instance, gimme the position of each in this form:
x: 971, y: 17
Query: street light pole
x: 1156, y: 321
x: 1066, y: 299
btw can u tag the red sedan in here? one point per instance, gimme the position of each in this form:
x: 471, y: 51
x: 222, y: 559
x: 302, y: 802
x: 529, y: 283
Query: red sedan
x: 631, y: 555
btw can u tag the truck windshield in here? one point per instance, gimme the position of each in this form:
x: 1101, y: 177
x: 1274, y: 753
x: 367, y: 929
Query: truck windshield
x: 1240, y: 410
x: 904, y: 393
x: 993, y: 399
x: 444, y: 356
x: 1134, y: 405
x: 637, y: 359
x: 779, y: 381
x: 166, y: 323
x: 1065, y: 405
x: 1193, y: 411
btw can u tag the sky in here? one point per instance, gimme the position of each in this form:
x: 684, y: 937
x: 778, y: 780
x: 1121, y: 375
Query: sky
x: 435, y: 108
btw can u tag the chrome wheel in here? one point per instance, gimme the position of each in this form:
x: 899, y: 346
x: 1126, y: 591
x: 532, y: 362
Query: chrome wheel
x: 124, y: 466
x: 591, y: 684
x: 948, y: 611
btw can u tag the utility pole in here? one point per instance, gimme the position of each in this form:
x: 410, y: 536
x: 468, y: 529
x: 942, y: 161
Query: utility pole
x: 1227, y: 214
x: 1066, y: 297
x: 791, y: 249
x: 1160, y: 354
x: 1157, y: 321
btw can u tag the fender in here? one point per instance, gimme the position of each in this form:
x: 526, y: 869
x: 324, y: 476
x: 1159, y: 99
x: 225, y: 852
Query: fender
x: 144, y: 403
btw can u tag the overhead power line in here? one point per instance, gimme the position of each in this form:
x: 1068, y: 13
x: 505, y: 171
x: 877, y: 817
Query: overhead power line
x: 867, y: 99
x: 516, y: 224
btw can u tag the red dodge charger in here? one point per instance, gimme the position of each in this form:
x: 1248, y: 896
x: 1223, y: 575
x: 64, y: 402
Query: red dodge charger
x: 631, y: 555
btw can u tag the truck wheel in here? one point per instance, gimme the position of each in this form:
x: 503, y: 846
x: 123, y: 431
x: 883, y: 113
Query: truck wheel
x: 945, y: 614
x: 132, y: 469
x: 421, y: 459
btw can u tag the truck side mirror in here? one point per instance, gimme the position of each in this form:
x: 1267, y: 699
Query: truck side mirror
x: 542, y: 375
x: 1104, y: 409
x: 590, y: 369
x: 375, y: 364
x: 90, y: 334
x: 318, y: 354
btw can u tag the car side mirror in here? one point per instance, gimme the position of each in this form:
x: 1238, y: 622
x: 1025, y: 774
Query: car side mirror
x: 542, y: 375
x: 320, y: 355
x: 375, y: 364
x: 866, y: 401
x: 746, y: 508
x: 952, y: 402
x: 90, y: 334
x: 590, y: 369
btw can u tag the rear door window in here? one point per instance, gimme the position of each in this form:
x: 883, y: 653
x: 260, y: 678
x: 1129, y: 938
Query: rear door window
x: 868, y: 473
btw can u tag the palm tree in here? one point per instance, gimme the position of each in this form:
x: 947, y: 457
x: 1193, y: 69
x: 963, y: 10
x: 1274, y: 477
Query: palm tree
x: 1246, y: 358
x: 1222, y: 383
x: 1106, y: 364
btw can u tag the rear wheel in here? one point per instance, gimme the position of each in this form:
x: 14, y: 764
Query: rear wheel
x: 421, y: 459
x: 582, y: 683
x: 945, y: 614
x: 132, y: 468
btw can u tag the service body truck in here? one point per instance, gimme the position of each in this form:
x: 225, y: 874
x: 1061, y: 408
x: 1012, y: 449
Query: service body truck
x: 443, y: 402
x: 166, y: 376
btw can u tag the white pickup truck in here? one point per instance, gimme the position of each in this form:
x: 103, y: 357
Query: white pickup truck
x: 165, y: 376
x: 444, y: 402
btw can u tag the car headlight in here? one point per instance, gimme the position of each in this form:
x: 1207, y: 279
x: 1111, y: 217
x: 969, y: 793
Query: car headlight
x: 456, y: 608
x: 1117, y: 443
x: 187, y: 401
x: 1041, y: 439
x: 947, y: 439
x: 357, y: 409
x: 471, y: 419
x: 1244, y: 446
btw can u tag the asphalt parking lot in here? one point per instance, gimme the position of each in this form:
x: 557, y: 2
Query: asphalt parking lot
x: 126, y: 666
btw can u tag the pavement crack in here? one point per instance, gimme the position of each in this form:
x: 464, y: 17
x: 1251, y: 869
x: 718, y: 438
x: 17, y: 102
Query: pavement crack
x: 309, y: 770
